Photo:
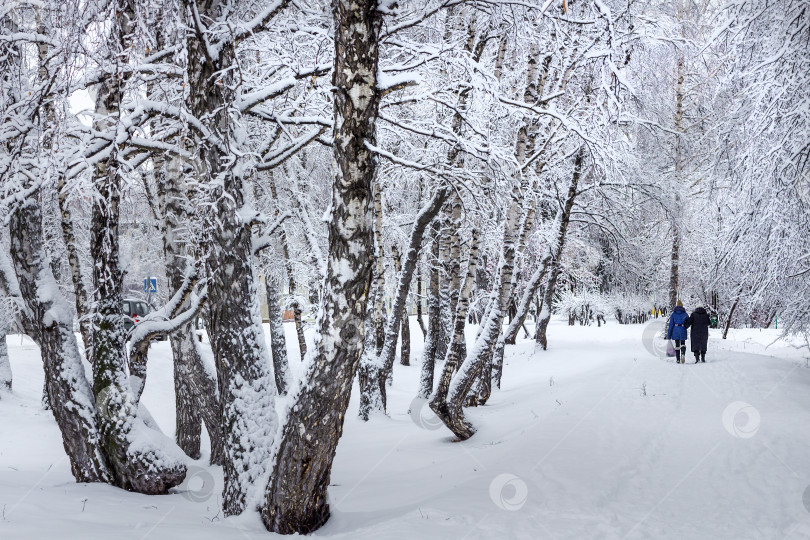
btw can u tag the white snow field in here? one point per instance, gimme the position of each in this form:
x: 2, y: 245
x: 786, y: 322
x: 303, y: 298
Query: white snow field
x: 569, y: 448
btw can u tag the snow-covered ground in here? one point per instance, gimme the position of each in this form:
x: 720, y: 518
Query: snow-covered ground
x: 595, y: 438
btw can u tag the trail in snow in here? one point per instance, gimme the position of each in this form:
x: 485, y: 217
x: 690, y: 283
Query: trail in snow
x: 569, y: 448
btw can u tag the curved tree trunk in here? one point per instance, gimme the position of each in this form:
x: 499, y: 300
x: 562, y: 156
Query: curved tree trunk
x: 419, y: 295
x: 454, y: 351
x: 559, y: 245
x: 296, y: 496
x: 404, y: 327
x: 145, y: 468
x: 493, y: 367
x: 450, y: 410
x: 74, y: 407
x: 375, y: 369
x: 509, y: 336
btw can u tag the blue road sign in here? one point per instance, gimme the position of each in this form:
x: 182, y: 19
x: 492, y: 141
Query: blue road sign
x: 150, y: 285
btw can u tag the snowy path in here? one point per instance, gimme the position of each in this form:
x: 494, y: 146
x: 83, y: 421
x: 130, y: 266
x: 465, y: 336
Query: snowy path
x: 570, y: 448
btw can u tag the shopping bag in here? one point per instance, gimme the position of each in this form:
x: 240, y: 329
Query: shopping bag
x: 670, y: 348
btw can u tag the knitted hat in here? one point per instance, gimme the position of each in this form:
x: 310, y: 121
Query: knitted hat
x: 679, y: 304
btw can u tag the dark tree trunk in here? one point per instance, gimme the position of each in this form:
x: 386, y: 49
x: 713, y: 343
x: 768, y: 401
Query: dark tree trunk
x: 419, y: 294
x: 434, y: 319
x: 142, y: 468
x: 296, y: 497
x: 405, y: 343
x: 556, y: 260
x: 375, y: 369
x: 730, y: 317
x: 278, y: 343
x: 450, y: 410
x: 246, y: 386
x: 5, y: 364
x: 74, y: 407
x: 295, y: 305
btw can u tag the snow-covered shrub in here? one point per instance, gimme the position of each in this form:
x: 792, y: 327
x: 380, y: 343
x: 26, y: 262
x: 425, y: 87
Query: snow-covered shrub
x: 583, y: 306
x: 630, y: 308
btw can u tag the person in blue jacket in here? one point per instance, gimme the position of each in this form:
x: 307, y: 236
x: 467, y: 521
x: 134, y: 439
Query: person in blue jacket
x: 678, y: 323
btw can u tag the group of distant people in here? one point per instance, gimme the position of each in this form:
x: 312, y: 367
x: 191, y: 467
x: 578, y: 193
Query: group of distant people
x: 679, y: 322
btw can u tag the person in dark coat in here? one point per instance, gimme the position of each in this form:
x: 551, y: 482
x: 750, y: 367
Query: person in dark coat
x: 699, y: 321
x: 678, y: 323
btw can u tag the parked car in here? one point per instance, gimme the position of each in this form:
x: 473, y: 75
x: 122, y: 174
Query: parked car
x: 134, y: 311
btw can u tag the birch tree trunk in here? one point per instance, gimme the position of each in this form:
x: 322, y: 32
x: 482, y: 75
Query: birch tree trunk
x: 405, y: 327
x: 509, y: 336
x: 523, y: 149
x: 76, y: 275
x: 246, y: 387
x: 405, y: 352
x: 296, y: 496
x: 454, y: 351
x: 378, y: 309
x: 196, y: 396
x: 559, y: 245
x: 419, y: 294
x: 450, y: 410
x: 74, y: 408
x: 434, y: 319
x: 278, y: 343
x: 140, y: 467
x: 495, y: 361
x: 676, y: 234
x: 375, y: 369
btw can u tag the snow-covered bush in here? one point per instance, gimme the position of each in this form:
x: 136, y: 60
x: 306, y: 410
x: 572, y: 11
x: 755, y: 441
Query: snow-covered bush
x: 630, y: 308
x: 583, y: 306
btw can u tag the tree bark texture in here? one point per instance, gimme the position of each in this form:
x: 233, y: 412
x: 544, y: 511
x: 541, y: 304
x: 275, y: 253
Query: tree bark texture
x: 450, y: 410
x: 375, y: 369
x: 278, y: 343
x: 454, y: 351
x: 74, y: 407
x: 144, y: 468
x: 405, y: 327
x: 246, y: 386
x: 196, y: 395
x: 676, y: 234
x: 558, y: 247
x: 434, y: 318
x: 296, y: 496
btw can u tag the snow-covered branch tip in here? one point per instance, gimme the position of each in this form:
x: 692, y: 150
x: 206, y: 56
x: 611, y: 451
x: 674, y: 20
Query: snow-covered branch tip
x: 264, y: 241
